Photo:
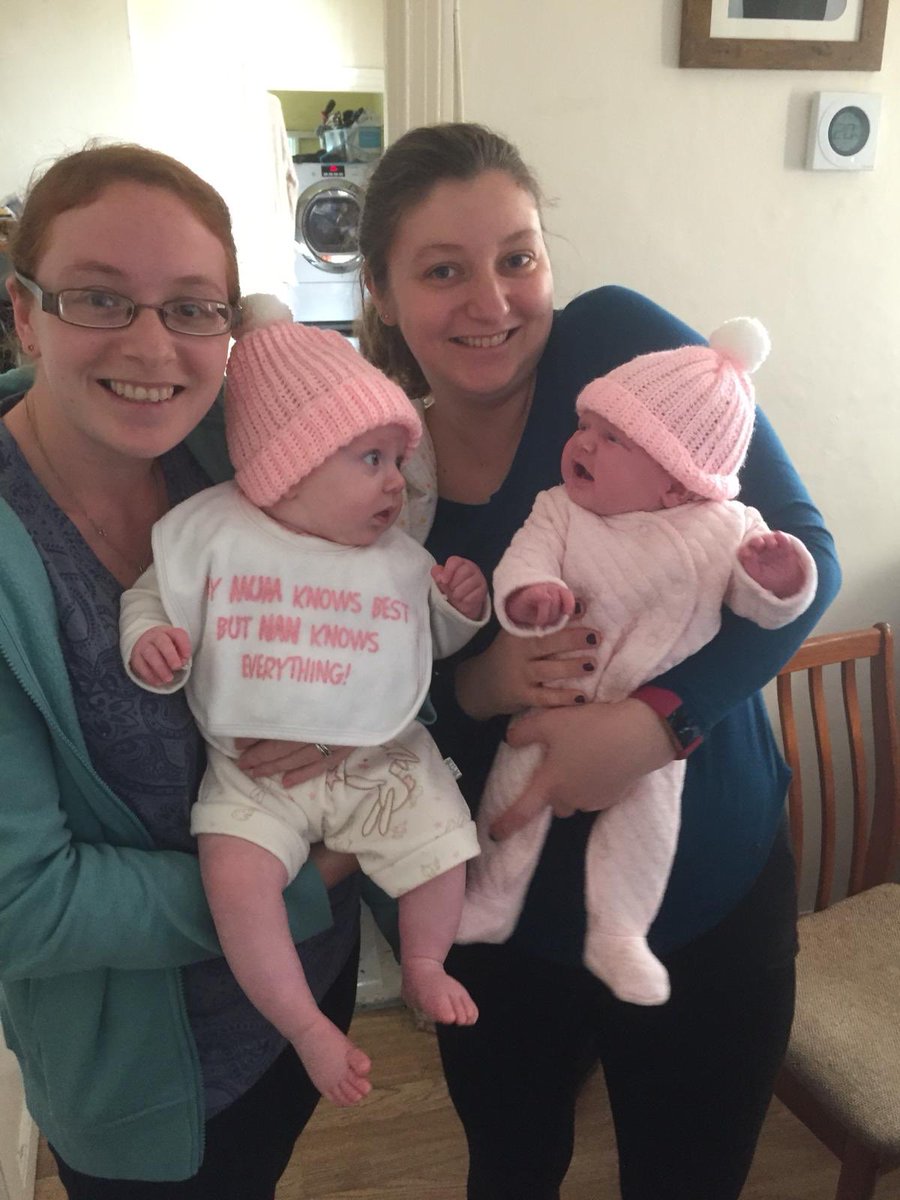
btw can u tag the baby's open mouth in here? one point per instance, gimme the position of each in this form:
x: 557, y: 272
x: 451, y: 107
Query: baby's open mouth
x: 582, y: 472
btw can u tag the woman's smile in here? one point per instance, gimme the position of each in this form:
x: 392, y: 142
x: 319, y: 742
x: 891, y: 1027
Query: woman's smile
x: 484, y: 341
x: 142, y: 393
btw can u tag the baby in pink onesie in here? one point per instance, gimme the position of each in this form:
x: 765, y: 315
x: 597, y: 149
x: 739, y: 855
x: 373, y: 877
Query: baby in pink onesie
x: 289, y: 607
x: 644, y: 535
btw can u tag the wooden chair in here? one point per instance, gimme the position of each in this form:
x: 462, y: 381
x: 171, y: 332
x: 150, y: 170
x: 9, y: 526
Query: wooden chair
x: 842, y: 1070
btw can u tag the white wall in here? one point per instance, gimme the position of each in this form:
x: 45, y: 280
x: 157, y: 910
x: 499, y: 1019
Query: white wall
x: 189, y: 77
x: 65, y: 76
x: 688, y: 185
x: 220, y: 124
x: 325, y: 44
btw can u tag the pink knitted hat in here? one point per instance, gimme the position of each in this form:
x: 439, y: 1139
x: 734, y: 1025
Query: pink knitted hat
x: 691, y: 409
x: 294, y: 395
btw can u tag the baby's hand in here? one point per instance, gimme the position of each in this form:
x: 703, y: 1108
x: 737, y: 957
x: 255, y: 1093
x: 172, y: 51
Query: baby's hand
x: 539, y: 605
x: 773, y: 561
x: 159, y: 653
x: 463, y: 584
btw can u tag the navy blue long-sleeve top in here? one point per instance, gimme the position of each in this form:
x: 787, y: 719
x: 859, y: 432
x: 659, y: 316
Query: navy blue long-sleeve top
x: 736, y: 780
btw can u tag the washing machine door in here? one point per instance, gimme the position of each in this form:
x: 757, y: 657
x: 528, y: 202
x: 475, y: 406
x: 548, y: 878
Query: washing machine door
x: 327, y: 225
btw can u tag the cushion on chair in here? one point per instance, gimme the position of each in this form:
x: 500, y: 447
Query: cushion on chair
x: 845, y: 1043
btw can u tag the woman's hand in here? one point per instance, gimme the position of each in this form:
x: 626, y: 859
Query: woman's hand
x: 295, y: 762
x: 515, y: 673
x: 592, y: 756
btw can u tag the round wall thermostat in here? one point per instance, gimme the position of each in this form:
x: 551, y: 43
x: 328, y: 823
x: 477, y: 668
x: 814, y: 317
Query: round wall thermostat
x: 843, y: 130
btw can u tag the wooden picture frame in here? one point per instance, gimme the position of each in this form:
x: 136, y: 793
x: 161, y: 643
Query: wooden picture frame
x: 700, y: 49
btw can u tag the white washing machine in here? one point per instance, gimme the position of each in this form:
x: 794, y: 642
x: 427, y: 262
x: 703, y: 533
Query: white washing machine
x: 326, y: 245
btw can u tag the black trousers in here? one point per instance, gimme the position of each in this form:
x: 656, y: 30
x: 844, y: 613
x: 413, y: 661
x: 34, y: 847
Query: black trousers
x: 248, y: 1144
x: 689, y: 1082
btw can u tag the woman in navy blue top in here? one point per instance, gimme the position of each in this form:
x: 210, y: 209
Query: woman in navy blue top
x: 461, y: 314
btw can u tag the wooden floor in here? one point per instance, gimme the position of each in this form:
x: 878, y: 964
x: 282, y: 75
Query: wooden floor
x: 404, y: 1142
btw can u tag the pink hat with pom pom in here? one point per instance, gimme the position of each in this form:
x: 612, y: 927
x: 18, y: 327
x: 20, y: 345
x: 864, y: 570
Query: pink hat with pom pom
x: 295, y: 394
x: 691, y: 409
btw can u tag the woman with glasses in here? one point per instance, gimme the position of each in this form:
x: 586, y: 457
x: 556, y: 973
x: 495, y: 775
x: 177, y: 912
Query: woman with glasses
x: 145, y: 1066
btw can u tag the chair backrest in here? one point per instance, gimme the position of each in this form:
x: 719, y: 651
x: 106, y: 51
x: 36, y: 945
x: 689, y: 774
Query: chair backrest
x: 844, y: 751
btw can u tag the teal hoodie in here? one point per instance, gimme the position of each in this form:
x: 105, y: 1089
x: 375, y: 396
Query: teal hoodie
x: 94, y: 922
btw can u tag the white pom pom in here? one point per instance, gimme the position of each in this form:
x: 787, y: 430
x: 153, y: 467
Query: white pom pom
x: 261, y: 309
x: 744, y: 341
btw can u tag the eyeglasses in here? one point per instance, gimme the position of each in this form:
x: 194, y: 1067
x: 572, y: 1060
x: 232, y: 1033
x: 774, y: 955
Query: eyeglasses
x: 96, y: 308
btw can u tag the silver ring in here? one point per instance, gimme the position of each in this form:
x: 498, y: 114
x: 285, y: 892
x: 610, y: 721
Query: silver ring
x: 325, y: 751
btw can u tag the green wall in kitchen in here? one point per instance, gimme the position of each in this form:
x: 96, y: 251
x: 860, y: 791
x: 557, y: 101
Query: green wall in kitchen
x: 302, y: 110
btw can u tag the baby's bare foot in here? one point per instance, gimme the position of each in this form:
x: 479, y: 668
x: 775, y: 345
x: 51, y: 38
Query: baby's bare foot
x: 429, y: 989
x: 336, y: 1066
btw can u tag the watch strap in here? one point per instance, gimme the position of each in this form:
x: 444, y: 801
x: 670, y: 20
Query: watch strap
x: 685, y: 733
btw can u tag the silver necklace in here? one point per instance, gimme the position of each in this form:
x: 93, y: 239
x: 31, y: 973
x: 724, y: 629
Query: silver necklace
x: 79, y: 507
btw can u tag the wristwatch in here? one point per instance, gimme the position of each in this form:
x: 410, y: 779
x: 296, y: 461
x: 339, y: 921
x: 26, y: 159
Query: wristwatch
x: 684, y: 731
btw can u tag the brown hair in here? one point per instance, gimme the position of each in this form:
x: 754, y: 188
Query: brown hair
x: 403, y: 178
x: 79, y: 178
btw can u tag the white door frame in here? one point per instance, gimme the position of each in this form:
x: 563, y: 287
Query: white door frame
x: 421, y: 64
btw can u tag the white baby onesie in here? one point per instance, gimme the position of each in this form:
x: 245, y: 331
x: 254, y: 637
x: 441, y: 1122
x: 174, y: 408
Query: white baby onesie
x: 299, y: 638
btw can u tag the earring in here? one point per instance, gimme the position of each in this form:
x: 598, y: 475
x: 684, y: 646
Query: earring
x: 30, y: 347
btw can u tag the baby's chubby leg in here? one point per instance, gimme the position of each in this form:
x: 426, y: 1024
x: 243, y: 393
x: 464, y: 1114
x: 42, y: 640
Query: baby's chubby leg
x: 244, y: 885
x: 429, y: 918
